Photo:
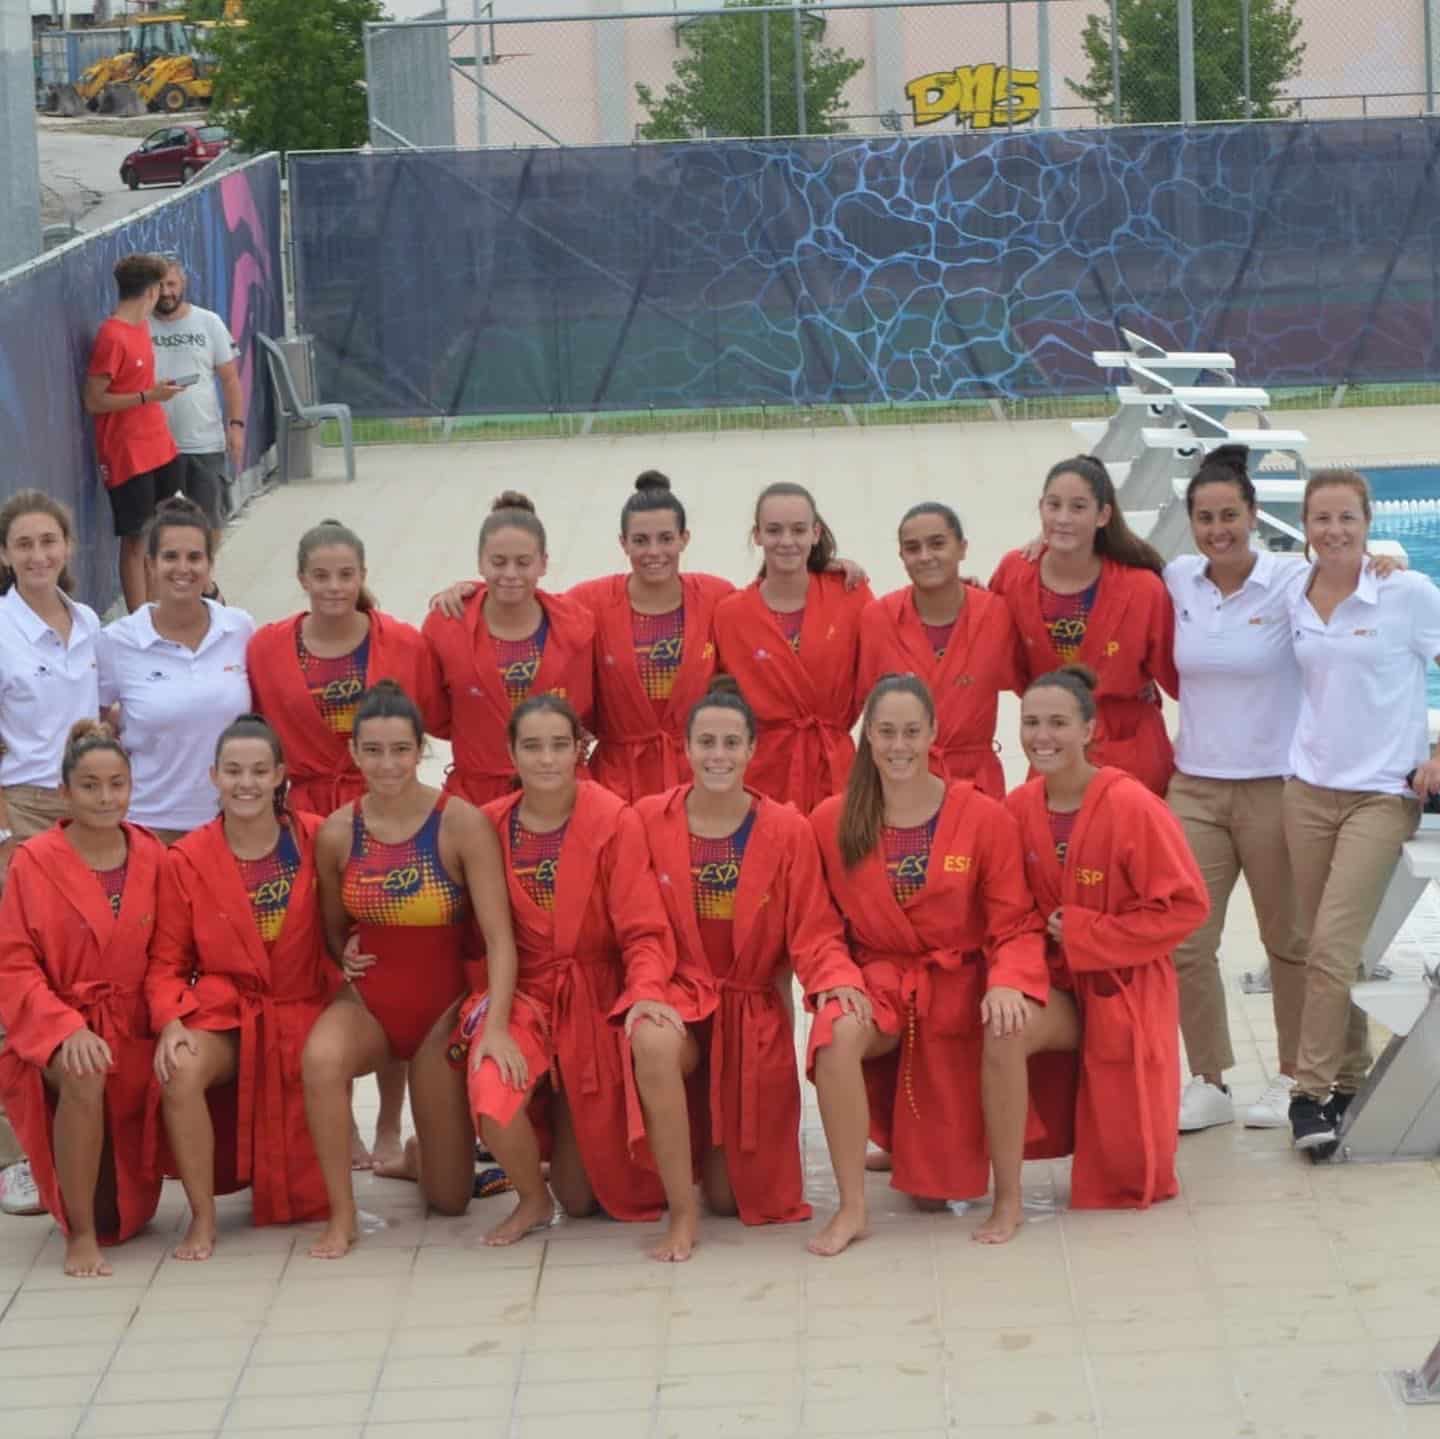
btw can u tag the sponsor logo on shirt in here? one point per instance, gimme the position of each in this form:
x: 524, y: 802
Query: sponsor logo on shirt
x: 762, y: 654
x: 1090, y: 877
x: 273, y: 892
x: 719, y: 874
x: 912, y: 866
x: 157, y: 675
x: 957, y: 864
x: 1366, y: 634
x: 708, y: 653
x: 1112, y: 649
x: 546, y: 871
x: 404, y: 880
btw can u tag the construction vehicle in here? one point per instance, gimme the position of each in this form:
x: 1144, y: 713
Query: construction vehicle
x: 112, y: 85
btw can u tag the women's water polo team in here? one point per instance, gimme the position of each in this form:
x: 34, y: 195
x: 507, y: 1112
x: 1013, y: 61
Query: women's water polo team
x: 584, y: 948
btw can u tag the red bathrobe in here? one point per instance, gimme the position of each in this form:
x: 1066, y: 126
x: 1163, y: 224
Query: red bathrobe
x: 783, y: 918
x: 979, y: 661
x: 604, y: 946
x: 641, y: 750
x: 68, y: 963
x: 318, y: 763
x: 209, y: 968
x: 806, y: 703
x: 1131, y: 893
x: 473, y: 711
x: 927, y: 966
x: 1129, y: 639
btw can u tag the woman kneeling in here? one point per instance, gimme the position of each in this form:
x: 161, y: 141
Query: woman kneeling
x: 75, y: 1076
x: 237, y: 977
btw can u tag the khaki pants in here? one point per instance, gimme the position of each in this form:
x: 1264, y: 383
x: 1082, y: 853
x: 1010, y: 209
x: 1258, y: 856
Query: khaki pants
x: 1343, y: 848
x: 32, y: 811
x: 1237, y: 827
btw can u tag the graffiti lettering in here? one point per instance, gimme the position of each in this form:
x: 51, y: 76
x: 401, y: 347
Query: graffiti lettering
x: 981, y: 96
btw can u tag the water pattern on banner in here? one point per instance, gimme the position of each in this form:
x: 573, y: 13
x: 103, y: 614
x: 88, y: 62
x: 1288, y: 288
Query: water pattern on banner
x: 879, y: 270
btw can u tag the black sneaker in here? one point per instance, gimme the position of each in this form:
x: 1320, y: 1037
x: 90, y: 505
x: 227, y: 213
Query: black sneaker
x: 1310, y: 1123
x: 1336, y: 1106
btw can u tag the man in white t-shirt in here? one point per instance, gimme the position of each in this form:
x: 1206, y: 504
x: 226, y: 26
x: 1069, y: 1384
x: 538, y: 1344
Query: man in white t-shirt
x: 193, y: 347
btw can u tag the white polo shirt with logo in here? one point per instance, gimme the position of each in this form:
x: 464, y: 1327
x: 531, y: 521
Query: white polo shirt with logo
x: 1362, y: 723
x: 46, y: 685
x: 174, y: 702
x: 1239, y: 680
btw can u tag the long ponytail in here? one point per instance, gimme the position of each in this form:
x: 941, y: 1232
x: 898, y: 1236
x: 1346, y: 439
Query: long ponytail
x: 863, y: 813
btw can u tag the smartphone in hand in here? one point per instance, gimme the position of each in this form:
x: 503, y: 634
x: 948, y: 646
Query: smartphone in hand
x: 187, y: 380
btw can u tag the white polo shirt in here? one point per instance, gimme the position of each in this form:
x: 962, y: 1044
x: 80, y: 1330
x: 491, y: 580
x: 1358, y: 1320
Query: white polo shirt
x: 1362, y: 719
x: 1239, y: 680
x: 174, y: 702
x: 46, y: 685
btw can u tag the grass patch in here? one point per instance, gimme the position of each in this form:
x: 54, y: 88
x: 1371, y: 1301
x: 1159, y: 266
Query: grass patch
x: 565, y: 426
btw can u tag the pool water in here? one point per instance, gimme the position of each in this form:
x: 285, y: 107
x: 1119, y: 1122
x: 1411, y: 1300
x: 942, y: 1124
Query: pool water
x: 1418, y: 532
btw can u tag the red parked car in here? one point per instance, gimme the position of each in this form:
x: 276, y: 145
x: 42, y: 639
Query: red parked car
x: 173, y: 155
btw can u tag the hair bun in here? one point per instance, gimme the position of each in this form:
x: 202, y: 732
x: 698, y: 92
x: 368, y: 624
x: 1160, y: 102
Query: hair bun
x: 1237, y: 457
x: 512, y: 500
x: 387, y: 686
x: 649, y: 482
x: 724, y: 685
x: 1083, y: 673
x: 84, y: 728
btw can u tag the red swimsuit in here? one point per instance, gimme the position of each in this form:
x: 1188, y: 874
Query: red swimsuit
x: 415, y: 919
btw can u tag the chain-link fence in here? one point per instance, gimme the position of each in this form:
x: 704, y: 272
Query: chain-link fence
x: 931, y: 66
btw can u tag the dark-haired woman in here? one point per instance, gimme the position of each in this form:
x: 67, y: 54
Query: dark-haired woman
x: 308, y: 673
x: 742, y: 885
x: 75, y: 928
x: 405, y: 874
x: 238, y: 975
x: 177, y: 670
x: 595, y: 988
x: 1111, y: 871
x: 513, y: 640
x: 1097, y: 597
x: 654, y: 646
x: 792, y: 641
x: 958, y: 639
x: 929, y: 879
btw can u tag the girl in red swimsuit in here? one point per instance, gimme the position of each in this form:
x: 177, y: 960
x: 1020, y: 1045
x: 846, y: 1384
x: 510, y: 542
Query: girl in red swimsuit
x: 404, y: 877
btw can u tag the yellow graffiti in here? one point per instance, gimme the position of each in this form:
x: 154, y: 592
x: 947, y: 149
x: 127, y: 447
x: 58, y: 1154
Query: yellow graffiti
x: 978, y: 95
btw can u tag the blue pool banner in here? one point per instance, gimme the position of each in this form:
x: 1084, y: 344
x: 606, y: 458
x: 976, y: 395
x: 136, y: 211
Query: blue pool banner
x: 847, y: 270
x: 227, y: 232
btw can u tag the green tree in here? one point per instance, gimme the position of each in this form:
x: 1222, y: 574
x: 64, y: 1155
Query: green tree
x: 1149, y: 34
x: 289, y: 77
x: 719, y: 84
x: 202, y: 9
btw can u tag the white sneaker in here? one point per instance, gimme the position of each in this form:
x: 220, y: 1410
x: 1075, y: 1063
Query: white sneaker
x: 1203, y: 1106
x: 18, y: 1194
x: 1272, y: 1109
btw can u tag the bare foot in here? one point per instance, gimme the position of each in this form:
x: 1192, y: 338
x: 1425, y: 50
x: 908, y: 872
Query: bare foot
x: 335, y: 1242
x: 388, y: 1152
x: 199, y: 1240
x: 82, y: 1258
x: 878, y: 1161
x: 527, y: 1216
x: 844, y: 1228
x: 360, y: 1157
x: 680, y: 1239
x: 1005, y: 1218
x: 407, y: 1166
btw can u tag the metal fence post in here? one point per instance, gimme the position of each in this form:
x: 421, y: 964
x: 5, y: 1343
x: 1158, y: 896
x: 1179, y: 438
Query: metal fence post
x: 1042, y: 60
x: 1009, y: 63
x: 478, y: 51
x: 1115, y: 61
x: 800, y: 125
x: 765, y: 69
x: 1187, y: 62
x: 1245, y: 56
x: 368, y: 40
x: 1430, y: 39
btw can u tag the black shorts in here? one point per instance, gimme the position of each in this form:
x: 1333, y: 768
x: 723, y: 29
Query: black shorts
x: 134, y: 502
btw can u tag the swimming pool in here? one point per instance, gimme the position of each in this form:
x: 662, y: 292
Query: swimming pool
x: 1417, y: 530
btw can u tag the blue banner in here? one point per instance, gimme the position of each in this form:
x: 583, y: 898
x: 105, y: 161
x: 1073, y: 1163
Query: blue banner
x: 227, y: 232
x: 877, y: 270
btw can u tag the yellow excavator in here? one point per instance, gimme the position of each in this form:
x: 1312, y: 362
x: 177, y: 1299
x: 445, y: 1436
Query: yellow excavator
x: 159, y: 69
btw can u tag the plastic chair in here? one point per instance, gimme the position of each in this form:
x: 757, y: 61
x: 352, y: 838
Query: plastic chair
x: 295, y: 413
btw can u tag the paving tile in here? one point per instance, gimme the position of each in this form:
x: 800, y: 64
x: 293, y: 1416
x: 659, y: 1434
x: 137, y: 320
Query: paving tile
x: 152, y: 1418
x: 296, y: 1411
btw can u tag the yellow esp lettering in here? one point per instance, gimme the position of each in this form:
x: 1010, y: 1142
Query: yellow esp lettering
x: 1089, y: 876
x: 956, y: 864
